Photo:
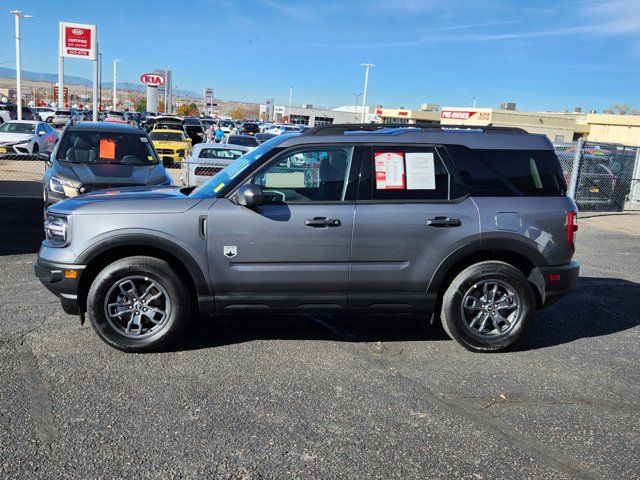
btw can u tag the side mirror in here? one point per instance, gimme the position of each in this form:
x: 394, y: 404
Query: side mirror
x: 167, y: 162
x: 41, y: 133
x: 249, y: 196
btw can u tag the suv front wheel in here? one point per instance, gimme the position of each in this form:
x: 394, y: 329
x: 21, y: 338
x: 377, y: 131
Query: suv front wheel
x: 488, y: 306
x: 138, y: 304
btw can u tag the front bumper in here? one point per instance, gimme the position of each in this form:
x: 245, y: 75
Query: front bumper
x: 555, y: 282
x: 52, y: 276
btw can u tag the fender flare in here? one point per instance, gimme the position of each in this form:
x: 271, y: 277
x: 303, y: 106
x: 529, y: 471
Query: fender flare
x: 203, y: 288
x: 479, y: 246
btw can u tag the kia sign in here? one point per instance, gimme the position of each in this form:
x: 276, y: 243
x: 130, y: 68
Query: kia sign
x: 152, y: 79
x: 78, y: 41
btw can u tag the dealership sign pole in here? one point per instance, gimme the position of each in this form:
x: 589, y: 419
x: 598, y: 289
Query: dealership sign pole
x: 152, y: 81
x: 79, y: 41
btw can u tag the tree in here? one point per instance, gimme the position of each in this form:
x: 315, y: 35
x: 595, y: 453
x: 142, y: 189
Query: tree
x: 622, y: 109
x: 188, y: 110
x: 141, y: 105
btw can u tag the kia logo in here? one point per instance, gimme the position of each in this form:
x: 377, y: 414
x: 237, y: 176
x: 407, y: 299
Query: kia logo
x: 151, y: 79
x: 77, y: 31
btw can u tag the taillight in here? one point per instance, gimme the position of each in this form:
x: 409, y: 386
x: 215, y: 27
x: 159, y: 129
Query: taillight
x: 572, y: 228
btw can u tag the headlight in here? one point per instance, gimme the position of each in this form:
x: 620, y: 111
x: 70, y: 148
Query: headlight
x: 57, y: 185
x: 180, y: 153
x: 56, y: 229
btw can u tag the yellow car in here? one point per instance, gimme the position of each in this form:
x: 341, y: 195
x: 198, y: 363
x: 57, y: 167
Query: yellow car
x: 171, y: 143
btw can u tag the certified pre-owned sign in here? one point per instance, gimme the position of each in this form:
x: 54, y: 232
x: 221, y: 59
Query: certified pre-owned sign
x: 78, y: 41
x: 152, y: 79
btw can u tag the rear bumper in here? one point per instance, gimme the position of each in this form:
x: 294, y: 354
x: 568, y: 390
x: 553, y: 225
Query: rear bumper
x: 52, y: 276
x: 555, y: 282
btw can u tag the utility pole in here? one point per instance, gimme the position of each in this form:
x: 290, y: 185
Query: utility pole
x: 166, y: 88
x: 474, y: 102
x: 355, y: 112
x: 366, y: 85
x: 290, y: 97
x: 115, y: 81
x: 18, y: 14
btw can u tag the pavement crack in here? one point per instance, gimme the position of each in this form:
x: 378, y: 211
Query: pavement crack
x: 41, y: 410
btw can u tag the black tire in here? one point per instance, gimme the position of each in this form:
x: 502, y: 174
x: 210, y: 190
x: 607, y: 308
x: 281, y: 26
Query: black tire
x: 153, y: 269
x: 457, y: 328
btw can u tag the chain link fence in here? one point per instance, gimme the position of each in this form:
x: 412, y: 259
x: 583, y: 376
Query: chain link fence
x: 21, y: 175
x: 601, y: 177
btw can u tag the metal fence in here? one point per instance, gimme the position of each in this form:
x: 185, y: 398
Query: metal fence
x: 601, y: 177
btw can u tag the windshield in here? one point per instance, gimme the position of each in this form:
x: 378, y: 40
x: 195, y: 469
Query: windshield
x: 244, y: 141
x: 225, y: 123
x: 23, y: 128
x: 224, y: 177
x: 106, y: 147
x: 223, y: 153
x: 166, y: 136
x: 63, y: 112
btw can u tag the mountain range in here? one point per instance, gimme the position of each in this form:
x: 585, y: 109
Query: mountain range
x: 73, y: 80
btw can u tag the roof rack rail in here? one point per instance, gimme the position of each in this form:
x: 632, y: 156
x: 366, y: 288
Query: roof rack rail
x: 339, y: 129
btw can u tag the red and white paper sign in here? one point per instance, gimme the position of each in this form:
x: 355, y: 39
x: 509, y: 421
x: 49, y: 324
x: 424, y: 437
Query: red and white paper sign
x: 389, y: 170
x: 78, y: 41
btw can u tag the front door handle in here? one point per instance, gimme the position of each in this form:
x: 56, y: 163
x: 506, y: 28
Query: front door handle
x: 322, y: 222
x: 443, y: 222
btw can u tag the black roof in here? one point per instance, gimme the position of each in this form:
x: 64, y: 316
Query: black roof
x: 104, y: 127
x: 472, y: 137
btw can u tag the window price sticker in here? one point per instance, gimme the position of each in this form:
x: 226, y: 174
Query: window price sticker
x: 389, y: 171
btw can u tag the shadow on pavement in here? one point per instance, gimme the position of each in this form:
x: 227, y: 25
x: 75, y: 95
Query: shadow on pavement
x: 23, y: 232
x: 597, y: 307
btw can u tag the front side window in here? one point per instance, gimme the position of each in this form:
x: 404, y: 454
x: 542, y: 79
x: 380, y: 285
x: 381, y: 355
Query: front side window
x: 309, y: 175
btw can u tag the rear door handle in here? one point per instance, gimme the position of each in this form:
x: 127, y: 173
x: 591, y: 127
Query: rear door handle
x: 322, y: 222
x: 443, y: 222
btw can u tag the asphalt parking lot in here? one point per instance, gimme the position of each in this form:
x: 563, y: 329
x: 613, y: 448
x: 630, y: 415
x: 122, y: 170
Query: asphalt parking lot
x: 325, y: 396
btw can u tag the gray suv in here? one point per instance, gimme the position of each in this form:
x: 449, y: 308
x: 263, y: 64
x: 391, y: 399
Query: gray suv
x: 472, y: 227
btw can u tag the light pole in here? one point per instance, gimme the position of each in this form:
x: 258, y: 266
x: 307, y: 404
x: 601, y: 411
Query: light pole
x: 355, y: 112
x: 166, y: 87
x: 18, y: 14
x: 366, y: 84
x: 115, y: 80
x: 474, y: 102
x: 290, y: 97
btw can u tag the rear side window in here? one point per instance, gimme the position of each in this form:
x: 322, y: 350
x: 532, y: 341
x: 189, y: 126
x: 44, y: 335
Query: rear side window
x: 503, y: 173
x: 407, y: 173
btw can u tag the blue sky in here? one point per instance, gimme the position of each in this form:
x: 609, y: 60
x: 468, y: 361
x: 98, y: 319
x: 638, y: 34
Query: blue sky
x: 544, y: 55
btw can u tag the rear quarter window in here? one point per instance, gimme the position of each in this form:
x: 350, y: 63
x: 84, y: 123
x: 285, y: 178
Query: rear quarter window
x: 503, y: 173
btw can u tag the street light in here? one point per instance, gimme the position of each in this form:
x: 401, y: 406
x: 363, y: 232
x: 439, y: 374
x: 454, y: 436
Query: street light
x: 290, y: 96
x: 115, y: 80
x: 355, y: 112
x: 366, y: 84
x: 166, y: 88
x: 18, y: 14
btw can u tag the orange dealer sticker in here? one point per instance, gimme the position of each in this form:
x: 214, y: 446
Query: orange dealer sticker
x: 107, y: 149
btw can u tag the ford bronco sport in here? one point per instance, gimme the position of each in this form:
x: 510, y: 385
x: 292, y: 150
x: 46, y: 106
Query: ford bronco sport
x: 469, y: 226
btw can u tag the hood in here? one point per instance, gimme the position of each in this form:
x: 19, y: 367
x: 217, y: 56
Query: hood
x: 14, y: 137
x: 109, y: 173
x: 124, y: 200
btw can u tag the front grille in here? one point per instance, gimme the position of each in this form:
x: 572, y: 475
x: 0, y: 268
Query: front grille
x: 207, y: 171
x: 91, y: 187
x: 165, y: 151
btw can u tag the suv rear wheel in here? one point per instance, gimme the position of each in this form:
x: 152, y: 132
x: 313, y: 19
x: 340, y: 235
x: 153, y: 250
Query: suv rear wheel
x: 488, y: 306
x: 138, y: 304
